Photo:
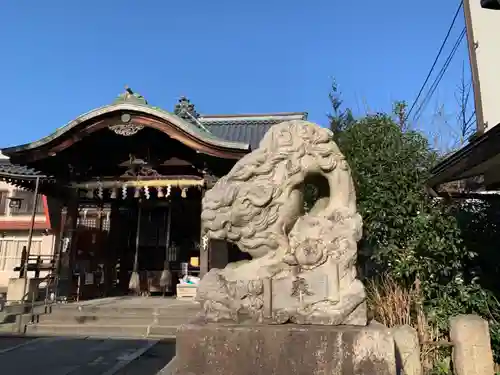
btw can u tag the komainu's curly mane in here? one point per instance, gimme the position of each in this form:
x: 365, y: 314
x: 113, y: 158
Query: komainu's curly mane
x: 258, y: 202
x: 303, y: 267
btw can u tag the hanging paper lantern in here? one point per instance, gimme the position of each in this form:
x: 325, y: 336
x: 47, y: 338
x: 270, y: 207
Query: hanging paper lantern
x: 113, y: 193
x: 169, y: 190
x: 137, y: 192
x: 184, y: 193
x: 159, y: 192
x: 124, y: 192
x: 146, y: 192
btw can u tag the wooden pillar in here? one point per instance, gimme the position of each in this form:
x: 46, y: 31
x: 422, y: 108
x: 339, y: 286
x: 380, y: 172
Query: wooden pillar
x: 218, y: 254
x: 206, y: 251
x: 204, y: 258
x: 68, y: 248
x: 204, y: 247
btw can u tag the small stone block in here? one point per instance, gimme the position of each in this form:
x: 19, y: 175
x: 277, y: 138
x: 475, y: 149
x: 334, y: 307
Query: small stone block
x: 472, y: 353
x: 214, y: 349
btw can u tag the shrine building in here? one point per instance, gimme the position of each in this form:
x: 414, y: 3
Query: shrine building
x: 123, y: 186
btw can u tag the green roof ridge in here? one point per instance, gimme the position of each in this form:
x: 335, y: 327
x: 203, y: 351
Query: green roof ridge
x: 129, y: 96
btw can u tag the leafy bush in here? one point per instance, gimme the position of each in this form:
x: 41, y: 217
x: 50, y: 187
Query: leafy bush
x: 410, y: 235
x: 406, y: 232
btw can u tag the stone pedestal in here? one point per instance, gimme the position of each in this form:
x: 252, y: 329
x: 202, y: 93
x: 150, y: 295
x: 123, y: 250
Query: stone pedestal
x: 214, y: 349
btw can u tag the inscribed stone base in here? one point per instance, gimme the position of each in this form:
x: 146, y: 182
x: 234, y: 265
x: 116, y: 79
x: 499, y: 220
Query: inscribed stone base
x: 214, y: 349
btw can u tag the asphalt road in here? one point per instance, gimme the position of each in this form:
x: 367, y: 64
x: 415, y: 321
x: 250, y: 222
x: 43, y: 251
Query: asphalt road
x: 83, y: 356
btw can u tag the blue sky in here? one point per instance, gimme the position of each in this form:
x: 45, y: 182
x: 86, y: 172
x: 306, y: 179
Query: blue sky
x: 63, y: 58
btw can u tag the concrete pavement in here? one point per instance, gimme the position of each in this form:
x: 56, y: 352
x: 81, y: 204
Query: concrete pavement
x: 9, y: 343
x: 82, y: 356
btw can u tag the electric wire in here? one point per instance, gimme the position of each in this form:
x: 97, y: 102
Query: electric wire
x: 435, y: 60
x: 439, y: 77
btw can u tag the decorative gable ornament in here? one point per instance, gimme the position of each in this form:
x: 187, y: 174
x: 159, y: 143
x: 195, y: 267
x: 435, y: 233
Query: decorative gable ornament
x: 126, y: 128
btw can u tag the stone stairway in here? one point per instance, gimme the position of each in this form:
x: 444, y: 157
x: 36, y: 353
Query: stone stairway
x: 116, y: 317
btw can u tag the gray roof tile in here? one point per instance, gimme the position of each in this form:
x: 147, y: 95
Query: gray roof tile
x: 246, y: 129
x: 14, y: 170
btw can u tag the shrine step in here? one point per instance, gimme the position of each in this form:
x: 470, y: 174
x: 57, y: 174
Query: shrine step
x: 85, y: 319
x: 118, y: 317
x: 126, y: 325
x: 162, y: 331
x: 102, y: 330
x: 127, y: 311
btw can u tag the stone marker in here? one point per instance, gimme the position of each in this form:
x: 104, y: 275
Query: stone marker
x: 472, y: 353
x: 303, y: 268
x: 407, y: 350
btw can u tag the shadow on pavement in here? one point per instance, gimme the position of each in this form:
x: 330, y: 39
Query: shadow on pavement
x: 23, y: 355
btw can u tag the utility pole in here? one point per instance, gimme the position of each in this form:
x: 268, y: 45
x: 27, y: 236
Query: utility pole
x: 26, y: 260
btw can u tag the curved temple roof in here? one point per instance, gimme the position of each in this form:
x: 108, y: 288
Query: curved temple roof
x: 185, y: 126
x: 234, y: 134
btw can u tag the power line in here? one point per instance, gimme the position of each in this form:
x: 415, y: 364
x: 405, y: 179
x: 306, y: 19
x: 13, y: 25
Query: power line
x: 439, y: 77
x: 436, y: 59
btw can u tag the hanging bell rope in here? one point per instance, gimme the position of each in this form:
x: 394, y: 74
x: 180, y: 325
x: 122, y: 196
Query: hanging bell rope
x: 135, y: 282
x: 166, y: 275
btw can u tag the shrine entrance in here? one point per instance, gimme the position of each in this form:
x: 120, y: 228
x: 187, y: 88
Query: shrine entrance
x: 131, y: 178
x: 108, y: 239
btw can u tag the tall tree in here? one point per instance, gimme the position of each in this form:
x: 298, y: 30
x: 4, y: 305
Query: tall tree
x: 339, y: 117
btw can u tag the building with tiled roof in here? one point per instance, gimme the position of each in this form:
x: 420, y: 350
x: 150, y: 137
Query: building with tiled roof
x: 131, y: 177
x: 15, y: 221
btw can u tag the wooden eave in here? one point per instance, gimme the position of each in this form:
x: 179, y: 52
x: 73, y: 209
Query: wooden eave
x: 98, y: 119
x: 490, y: 4
x: 472, y: 160
x: 23, y: 225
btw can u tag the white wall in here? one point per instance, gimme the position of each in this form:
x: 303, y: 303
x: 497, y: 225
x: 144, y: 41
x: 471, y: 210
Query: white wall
x: 486, y: 34
x: 11, y: 246
x: 12, y: 242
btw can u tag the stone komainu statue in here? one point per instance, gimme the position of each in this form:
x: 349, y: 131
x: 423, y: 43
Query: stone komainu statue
x: 303, y: 264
